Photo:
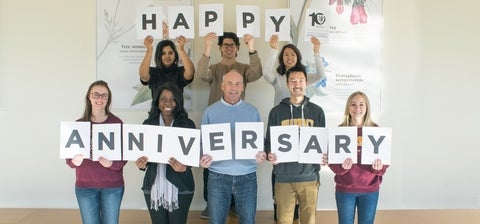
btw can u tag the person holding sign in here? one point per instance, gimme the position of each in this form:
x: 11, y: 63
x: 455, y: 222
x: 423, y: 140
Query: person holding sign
x: 357, y: 186
x: 99, y: 185
x: 168, y: 189
x: 229, y: 46
x: 229, y: 177
x: 289, y: 57
x: 295, y: 181
x: 166, y: 61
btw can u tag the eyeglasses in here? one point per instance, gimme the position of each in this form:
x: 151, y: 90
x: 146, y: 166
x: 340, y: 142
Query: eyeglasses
x: 165, y: 100
x: 97, y: 95
x: 232, y: 45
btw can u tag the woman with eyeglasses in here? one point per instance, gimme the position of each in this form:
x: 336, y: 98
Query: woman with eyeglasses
x: 168, y: 188
x: 99, y: 185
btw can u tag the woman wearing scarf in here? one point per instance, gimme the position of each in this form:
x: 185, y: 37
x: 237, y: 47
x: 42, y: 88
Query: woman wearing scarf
x: 168, y: 188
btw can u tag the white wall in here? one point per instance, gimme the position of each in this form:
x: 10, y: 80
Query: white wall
x: 47, y: 61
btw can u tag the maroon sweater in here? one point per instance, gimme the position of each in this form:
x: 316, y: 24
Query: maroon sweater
x: 360, y: 178
x: 91, y: 174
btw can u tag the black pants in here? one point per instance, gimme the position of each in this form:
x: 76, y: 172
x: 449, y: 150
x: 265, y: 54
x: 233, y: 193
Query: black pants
x: 162, y: 216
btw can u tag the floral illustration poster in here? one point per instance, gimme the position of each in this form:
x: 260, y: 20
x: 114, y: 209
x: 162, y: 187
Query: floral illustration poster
x: 351, y: 52
x: 119, y: 52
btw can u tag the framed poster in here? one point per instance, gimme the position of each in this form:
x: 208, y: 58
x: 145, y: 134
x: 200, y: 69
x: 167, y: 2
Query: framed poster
x: 351, y: 36
x: 120, y: 53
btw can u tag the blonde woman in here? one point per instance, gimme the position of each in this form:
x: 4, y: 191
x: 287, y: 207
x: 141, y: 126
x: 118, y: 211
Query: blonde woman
x: 357, y: 185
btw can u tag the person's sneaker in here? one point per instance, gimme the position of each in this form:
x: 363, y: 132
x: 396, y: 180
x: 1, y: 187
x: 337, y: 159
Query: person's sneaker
x: 204, y: 213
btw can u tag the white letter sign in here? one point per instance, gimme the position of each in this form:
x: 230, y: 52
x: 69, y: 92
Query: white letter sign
x: 217, y: 141
x: 248, y: 20
x: 376, y: 144
x: 181, y: 22
x: 74, y: 139
x: 248, y: 139
x: 133, y: 141
x: 284, y: 143
x: 184, y: 145
x: 107, y: 141
x: 277, y: 21
x: 313, y: 144
x: 342, y: 144
x: 149, y: 22
x: 210, y: 19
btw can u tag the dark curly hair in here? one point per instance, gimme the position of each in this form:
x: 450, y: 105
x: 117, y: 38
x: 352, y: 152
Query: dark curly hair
x: 229, y: 35
x: 179, y: 112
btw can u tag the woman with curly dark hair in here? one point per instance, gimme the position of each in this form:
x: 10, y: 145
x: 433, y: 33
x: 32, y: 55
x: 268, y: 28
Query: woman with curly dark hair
x: 168, y: 188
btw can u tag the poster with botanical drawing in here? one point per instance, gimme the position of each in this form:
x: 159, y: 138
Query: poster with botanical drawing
x: 351, y: 52
x: 119, y: 51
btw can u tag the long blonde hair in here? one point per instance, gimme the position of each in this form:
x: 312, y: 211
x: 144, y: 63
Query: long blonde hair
x: 367, y: 119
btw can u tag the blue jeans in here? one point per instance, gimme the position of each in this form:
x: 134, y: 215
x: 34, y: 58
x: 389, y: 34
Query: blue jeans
x: 99, y: 205
x: 365, y: 202
x: 221, y: 187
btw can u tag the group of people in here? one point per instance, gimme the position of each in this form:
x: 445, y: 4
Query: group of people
x: 228, y: 184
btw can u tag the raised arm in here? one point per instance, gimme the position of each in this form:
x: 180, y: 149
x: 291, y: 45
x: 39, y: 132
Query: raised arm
x: 269, y: 70
x: 144, y: 70
x: 187, y: 63
x: 315, y: 77
x: 255, y: 71
x: 202, y: 70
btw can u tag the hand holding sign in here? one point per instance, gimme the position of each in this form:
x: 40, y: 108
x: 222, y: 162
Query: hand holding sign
x: 274, y: 42
x: 347, y: 164
x: 260, y: 157
x: 208, y: 41
x: 206, y: 161
x: 377, y: 164
x: 148, y: 43
x: 249, y: 41
x: 142, y: 162
x: 176, y: 165
x: 77, y: 160
x: 105, y: 162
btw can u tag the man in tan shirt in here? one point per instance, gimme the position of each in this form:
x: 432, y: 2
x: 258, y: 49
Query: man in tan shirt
x: 229, y: 45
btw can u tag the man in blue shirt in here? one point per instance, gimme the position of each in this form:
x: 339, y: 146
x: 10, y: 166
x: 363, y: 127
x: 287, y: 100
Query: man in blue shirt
x: 232, y: 177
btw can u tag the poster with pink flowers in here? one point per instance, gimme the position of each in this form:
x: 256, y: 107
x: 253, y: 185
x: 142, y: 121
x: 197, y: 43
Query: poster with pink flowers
x: 351, y: 50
